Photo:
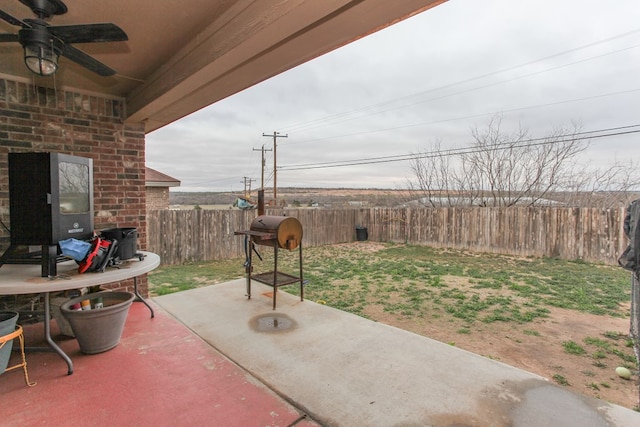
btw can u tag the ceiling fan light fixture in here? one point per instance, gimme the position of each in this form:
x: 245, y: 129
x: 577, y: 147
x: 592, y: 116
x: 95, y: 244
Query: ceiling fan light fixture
x: 41, y: 60
x: 41, y: 51
x: 43, y: 43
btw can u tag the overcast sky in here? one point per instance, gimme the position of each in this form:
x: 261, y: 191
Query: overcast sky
x: 434, y: 77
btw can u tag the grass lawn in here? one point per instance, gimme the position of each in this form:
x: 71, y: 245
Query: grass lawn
x: 416, y: 280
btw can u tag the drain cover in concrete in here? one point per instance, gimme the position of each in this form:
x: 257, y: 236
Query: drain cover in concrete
x: 276, y: 322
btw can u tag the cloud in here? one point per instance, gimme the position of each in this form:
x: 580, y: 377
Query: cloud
x: 540, y: 64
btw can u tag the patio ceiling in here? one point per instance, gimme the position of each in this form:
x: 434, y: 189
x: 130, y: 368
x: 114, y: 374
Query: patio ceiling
x: 183, y: 55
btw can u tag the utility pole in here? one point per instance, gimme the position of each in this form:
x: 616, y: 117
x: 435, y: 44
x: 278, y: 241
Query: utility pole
x: 275, y: 136
x: 263, y: 165
x: 247, y: 184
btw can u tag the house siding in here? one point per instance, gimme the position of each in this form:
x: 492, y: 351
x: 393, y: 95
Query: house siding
x: 157, y: 198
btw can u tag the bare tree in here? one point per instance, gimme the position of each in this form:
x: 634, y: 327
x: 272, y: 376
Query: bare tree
x: 507, y: 169
x: 603, y: 187
x: 434, y: 175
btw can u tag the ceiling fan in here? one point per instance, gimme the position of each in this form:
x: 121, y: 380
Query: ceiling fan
x: 43, y: 43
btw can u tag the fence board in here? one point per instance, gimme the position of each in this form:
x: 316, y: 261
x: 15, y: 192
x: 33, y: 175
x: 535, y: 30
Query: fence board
x: 589, y: 234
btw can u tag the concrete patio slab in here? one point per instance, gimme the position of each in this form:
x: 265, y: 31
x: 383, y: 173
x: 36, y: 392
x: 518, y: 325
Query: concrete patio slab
x: 344, y: 370
x: 160, y: 374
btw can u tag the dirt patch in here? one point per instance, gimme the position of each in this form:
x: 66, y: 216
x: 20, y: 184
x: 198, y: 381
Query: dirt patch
x: 537, y: 347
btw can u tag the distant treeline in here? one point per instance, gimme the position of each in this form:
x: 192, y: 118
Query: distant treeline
x: 386, y: 198
x: 330, y: 197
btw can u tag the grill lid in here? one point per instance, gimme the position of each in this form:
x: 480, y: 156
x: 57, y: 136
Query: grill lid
x: 285, y: 231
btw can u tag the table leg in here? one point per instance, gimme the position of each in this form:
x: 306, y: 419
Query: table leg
x: 139, y: 297
x: 47, y: 334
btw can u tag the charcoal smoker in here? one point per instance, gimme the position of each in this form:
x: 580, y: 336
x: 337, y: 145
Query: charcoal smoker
x: 279, y: 232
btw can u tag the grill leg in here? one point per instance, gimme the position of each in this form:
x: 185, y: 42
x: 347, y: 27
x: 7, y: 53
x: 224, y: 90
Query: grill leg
x: 301, y: 279
x: 275, y: 274
x: 249, y: 267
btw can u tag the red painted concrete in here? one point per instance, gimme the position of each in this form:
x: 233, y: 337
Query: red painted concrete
x: 160, y: 374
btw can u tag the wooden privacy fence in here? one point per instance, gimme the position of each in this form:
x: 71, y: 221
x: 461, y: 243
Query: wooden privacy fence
x: 180, y: 236
x: 588, y: 234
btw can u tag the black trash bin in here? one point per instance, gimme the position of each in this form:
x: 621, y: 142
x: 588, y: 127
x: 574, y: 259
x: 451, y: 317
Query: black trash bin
x: 362, y: 234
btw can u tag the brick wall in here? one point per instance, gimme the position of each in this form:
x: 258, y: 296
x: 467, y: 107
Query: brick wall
x: 34, y: 118
x: 157, y: 198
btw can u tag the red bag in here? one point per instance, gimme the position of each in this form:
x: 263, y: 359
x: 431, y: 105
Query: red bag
x: 99, y: 256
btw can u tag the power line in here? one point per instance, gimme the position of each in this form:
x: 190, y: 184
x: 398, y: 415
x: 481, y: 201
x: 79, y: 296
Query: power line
x: 473, y: 116
x: 213, y: 180
x: 249, y: 170
x: 247, y: 185
x: 263, y: 164
x: 456, y: 149
x: 317, y: 122
x: 268, y: 179
x: 468, y: 90
x: 469, y: 150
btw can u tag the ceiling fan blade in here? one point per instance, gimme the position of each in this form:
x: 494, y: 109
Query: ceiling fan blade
x: 89, y: 33
x: 8, y: 38
x: 86, y: 61
x: 11, y: 20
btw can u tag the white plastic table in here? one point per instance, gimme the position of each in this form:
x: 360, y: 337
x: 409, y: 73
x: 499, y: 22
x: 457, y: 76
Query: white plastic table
x: 19, y: 279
